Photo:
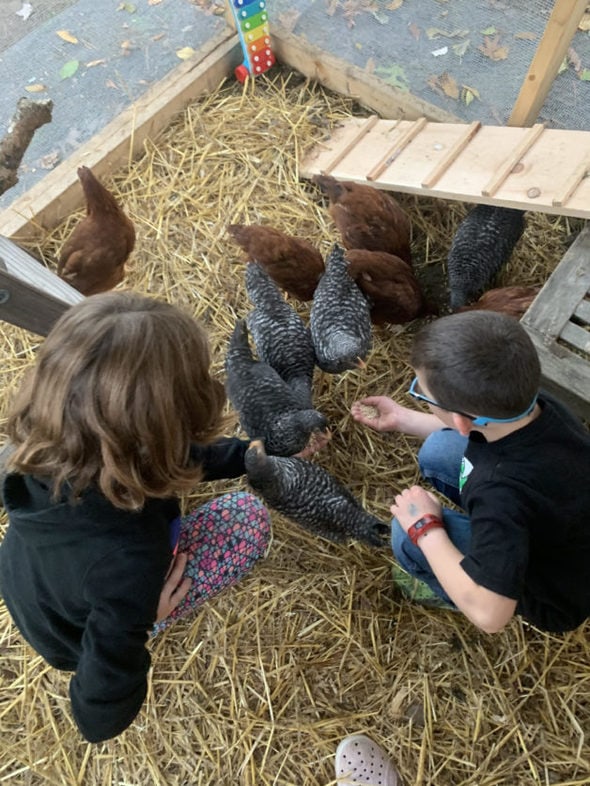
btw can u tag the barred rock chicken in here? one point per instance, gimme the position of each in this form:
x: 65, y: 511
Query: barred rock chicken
x: 282, y: 340
x: 367, y: 217
x: 513, y: 301
x: 292, y: 262
x: 483, y: 242
x: 267, y: 406
x: 312, y: 497
x: 389, y: 284
x: 93, y: 258
x: 340, y: 320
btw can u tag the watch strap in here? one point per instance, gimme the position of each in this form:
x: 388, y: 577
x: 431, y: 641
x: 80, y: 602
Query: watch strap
x: 424, y: 525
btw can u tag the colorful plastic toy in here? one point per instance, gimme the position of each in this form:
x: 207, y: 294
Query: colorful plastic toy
x: 252, y: 25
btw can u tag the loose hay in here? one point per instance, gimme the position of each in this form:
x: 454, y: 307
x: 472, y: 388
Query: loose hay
x: 260, y: 686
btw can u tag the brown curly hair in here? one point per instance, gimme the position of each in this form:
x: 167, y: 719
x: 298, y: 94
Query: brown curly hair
x: 121, y: 388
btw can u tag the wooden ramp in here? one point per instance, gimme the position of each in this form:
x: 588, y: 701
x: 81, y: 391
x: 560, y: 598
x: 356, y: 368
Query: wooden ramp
x: 535, y: 168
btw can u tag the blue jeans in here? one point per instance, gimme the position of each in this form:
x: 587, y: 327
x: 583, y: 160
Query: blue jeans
x: 439, y: 460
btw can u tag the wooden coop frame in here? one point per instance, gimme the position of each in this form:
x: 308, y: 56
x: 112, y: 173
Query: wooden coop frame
x: 33, y: 297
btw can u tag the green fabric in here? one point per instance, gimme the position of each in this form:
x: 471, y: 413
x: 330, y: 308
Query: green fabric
x: 416, y: 591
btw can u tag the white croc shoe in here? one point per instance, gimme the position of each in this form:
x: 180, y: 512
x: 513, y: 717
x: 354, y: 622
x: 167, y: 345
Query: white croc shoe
x: 361, y: 762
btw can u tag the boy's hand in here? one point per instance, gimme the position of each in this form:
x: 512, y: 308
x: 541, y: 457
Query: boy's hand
x: 379, y: 413
x: 175, y: 587
x: 412, y: 504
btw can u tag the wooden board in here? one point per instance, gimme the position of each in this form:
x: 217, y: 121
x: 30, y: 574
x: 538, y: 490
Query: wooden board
x: 539, y: 178
x: 31, y: 296
x: 562, y: 343
x: 58, y: 194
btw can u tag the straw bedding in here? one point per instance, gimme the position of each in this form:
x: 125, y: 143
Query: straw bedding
x: 314, y: 644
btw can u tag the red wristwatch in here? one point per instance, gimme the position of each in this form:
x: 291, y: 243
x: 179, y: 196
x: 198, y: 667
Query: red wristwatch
x: 424, y: 525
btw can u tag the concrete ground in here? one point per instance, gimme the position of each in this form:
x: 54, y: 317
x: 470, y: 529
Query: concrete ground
x: 116, y: 50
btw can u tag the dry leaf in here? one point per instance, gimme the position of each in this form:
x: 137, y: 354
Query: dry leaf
x: 460, y: 49
x: 111, y: 84
x: 468, y: 94
x: 394, y: 5
x: 448, y: 85
x: 50, y: 160
x: 491, y: 48
x: 434, y: 32
x: 158, y: 36
x: 154, y: 2
x: 585, y: 22
x: 37, y: 88
x: 370, y: 66
x: 526, y: 36
x: 93, y: 63
x: 415, y: 30
x: 574, y: 59
x: 185, y: 52
x: 67, y: 36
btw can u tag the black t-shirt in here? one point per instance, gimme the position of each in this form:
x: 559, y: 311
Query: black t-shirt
x: 528, y: 498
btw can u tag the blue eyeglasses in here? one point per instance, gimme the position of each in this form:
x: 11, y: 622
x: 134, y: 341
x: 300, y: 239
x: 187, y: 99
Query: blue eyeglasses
x: 477, y: 421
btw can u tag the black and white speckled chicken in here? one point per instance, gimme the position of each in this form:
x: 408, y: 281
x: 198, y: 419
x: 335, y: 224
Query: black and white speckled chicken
x: 267, y: 407
x: 483, y: 242
x: 367, y: 217
x: 340, y: 318
x: 281, y: 337
x: 309, y: 495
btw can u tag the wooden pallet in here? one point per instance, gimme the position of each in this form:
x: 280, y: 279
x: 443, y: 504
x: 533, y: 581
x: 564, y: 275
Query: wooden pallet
x: 536, y: 168
x: 558, y: 321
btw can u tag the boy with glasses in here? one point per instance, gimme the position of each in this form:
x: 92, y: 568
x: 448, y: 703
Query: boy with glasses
x: 512, y: 457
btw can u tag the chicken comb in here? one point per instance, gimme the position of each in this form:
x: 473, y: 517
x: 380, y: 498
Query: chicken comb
x: 251, y: 21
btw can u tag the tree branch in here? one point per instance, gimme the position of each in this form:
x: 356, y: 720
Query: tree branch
x: 29, y: 116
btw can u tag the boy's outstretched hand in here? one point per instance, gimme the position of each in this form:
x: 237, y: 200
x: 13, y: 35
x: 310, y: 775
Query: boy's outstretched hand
x: 175, y: 587
x: 379, y: 413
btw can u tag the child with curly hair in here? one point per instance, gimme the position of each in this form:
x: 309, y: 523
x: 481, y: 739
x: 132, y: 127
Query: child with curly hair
x: 118, y: 418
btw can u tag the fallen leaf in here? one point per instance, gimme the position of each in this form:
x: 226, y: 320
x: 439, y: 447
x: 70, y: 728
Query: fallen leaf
x: 93, y: 63
x: 131, y: 8
x: 394, y: 75
x: 111, y: 84
x: 460, y: 49
x: 158, y: 36
x: 491, y: 48
x: 563, y: 66
x: 37, y: 88
x: 468, y: 94
x: 526, y: 36
x: 584, y: 22
x: 50, y: 160
x: 435, y: 32
x: 185, y: 52
x: 25, y: 12
x: 69, y: 69
x: 394, y: 5
x: 489, y: 31
x: 585, y: 75
x: 358, y: 46
x: 65, y: 35
x: 370, y: 66
x: 414, y: 30
x: 154, y: 2
x: 448, y: 85
x: 381, y: 18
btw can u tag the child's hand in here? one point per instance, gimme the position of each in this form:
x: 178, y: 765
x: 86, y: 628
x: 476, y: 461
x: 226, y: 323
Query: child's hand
x: 317, y: 441
x: 379, y: 413
x: 412, y: 504
x: 175, y: 587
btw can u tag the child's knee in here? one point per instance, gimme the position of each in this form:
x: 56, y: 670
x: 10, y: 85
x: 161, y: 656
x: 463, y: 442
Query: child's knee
x: 252, y: 515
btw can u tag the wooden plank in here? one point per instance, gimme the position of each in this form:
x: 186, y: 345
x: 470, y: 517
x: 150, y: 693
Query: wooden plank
x: 582, y: 311
x: 563, y: 291
x: 571, y: 184
x: 552, y: 48
x: 451, y: 155
x: 577, y: 337
x: 58, y: 194
x: 349, y: 80
x: 31, y: 296
x: 345, y: 150
x: 513, y: 159
x: 394, y: 152
x: 530, y: 186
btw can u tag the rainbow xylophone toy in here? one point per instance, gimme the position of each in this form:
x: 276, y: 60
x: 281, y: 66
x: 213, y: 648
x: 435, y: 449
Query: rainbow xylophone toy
x: 252, y: 25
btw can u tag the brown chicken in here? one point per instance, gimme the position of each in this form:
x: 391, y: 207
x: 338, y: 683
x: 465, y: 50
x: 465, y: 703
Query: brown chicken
x: 389, y: 284
x: 93, y: 258
x: 367, y: 217
x: 292, y: 263
x: 513, y: 301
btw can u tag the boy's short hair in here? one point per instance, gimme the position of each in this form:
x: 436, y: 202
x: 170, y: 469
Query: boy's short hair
x: 480, y: 362
x: 121, y: 388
